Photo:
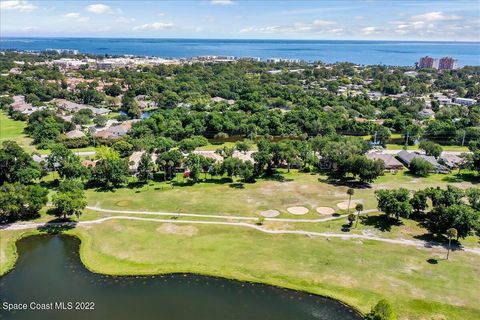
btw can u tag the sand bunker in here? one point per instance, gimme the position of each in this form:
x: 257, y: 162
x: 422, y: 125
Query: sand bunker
x: 269, y: 213
x: 170, y: 228
x: 297, y: 210
x: 344, y: 205
x: 325, y: 210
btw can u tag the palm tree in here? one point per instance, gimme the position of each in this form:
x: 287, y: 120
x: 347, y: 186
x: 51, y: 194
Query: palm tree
x: 350, y: 193
x: 163, y: 164
x: 351, y: 218
x: 359, y: 208
x: 451, y: 233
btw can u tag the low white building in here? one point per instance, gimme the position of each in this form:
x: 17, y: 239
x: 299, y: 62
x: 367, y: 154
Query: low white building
x: 465, y: 101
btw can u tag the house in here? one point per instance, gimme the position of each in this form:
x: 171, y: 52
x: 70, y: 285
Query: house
x: 115, y: 131
x: 465, y: 101
x: 134, y: 160
x: 220, y: 99
x: 100, y: 111
x: 210, y: 154
x: 20, y: 105
x: 406, y: 158
x: 375, y: 96
x: 452, y: 161
x: 75, y: 134
x: 389, y: 160
x: 427, y: 113
x: 74, y: 107
x: 244, y: 156
x: 69, y: 105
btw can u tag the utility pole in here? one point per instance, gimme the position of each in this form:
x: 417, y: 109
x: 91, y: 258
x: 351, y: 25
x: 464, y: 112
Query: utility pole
x: 463, y: 139
x: 406, y: 140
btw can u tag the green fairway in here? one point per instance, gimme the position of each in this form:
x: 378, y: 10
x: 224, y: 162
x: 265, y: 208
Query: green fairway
x: 13, y: 130
x: 415, y: 147
x: 298, y: 189
x: 418, y: 281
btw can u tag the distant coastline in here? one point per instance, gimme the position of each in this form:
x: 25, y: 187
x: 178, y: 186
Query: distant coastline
x: 363, y: 52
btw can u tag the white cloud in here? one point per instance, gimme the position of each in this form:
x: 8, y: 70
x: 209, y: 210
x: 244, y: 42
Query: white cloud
x: 322, y: 23
x: 369, y: 30
x: 315, y: 26
x: 337, y: 31
x: 434, y: 16
x: 75, y: 16
x: 154, y: 26
x: 429, y: 24
x: 28, y: 29
x: 20, y: 5
x: 222, y: 2
x: 99, y: 8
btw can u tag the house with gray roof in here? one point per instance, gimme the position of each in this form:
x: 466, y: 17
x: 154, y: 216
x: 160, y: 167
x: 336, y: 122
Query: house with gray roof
x: 389, y: 160
x: 406, y: 158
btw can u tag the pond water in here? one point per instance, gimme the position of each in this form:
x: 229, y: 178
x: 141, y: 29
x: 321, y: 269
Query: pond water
x: 49, y: 271
x: 144, y: 114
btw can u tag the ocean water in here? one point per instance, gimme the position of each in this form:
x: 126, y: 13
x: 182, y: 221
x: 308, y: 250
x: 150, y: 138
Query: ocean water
x: 401, y: 53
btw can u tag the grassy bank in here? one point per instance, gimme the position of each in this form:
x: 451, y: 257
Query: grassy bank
x: 418, y: 281
x: 356, y: 272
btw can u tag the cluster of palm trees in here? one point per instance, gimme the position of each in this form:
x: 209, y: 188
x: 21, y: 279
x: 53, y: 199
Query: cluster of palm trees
x: 451, y: 233
x: 358, y: 208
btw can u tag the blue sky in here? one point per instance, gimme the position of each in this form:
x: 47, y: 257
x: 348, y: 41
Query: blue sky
x: 355, y: 19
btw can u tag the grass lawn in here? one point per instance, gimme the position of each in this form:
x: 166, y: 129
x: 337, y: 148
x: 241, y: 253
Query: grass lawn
x: 415, y: 147
x: 356, y: 272
x: 418, y: 281
x: 299, y: 189
x: 215, y: 146
x: 13, y: 130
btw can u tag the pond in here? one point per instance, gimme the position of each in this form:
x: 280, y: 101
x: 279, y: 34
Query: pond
x: 143, y: 115
x: 49, y: 272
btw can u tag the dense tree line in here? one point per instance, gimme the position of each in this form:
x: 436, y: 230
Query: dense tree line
x: 451, y: 207
x: 288, y: 104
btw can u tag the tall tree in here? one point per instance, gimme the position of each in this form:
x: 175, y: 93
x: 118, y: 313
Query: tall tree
x: 17, y: 165
x: 359, y: 209
x: 350, y: 193
x: 70, y: 199
x: 146, y: 167
x: 451, y: 233
x: 18, y: 201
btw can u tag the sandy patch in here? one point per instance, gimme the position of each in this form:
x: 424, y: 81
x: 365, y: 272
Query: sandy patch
x: 325, y: 210
x: 274, y: 225
x: 170, y: 228
x: 270, y: 213
x: 123, y: 203
x: 297, y: 210
x: 118, y: 228
x: 344, y: 205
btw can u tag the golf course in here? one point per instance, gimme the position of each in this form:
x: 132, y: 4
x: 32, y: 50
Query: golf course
x: 212, y: 229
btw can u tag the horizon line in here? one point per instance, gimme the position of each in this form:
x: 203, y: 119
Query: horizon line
x: 221, y: 38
